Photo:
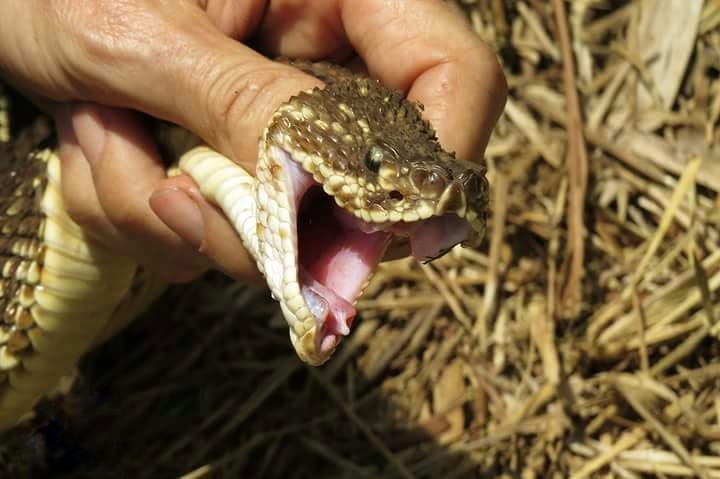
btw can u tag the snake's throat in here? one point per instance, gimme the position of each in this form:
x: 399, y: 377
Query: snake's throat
x: 335, y: 264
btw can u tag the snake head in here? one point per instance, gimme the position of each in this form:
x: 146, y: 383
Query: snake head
x: 364, y: 178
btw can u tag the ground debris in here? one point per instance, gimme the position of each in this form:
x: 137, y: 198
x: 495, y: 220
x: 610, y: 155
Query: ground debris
x: 490, y: 374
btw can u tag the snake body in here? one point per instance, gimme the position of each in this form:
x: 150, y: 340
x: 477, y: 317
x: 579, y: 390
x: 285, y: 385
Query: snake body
x: 346, y: 175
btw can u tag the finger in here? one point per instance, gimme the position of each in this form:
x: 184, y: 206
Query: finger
x: 167, y: 59
x: 125, y: 169
x: 220, y: 242
x: 421, y: 47
x: 424, y: 48
x: 78, y: 191
x: 233, y: 18
x: 309, y: 30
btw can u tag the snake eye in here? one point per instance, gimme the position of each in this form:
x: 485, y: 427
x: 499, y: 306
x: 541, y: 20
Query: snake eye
x: 373, y: 158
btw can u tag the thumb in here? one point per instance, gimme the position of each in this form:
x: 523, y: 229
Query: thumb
x: 167, y: 59
x: 190, y: 73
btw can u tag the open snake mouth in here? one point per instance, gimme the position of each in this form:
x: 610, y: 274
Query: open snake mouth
x: 338, y: 253
x: 336, y: 262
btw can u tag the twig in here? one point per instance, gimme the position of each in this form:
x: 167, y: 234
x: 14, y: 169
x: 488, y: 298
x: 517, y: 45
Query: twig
x: 489, y: 304
x: 577, y: 172
x: 625, y: 442
x: 669, y: 438
x: 642, y: 324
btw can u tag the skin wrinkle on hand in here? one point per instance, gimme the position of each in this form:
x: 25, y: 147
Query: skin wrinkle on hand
x: 434, y: 57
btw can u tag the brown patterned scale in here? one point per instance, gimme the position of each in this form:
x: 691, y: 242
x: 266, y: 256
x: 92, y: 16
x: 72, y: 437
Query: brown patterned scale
x: 60, y: 292
x: 22, y: 184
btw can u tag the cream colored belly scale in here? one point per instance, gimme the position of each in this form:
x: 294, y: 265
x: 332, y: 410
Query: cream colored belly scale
x: 73, y: 293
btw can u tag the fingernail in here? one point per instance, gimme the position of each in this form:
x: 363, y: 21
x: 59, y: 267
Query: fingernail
x: 90, y: 130
x: 180, y: 213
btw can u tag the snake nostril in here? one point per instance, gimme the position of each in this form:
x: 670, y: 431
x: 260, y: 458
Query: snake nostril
x: 396, y: 195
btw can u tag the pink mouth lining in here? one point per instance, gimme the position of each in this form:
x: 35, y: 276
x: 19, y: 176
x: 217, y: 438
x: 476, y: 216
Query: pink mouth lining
x: 338, y: 252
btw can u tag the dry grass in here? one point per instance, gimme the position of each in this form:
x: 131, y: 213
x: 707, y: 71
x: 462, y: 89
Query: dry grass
x: 580, y: 341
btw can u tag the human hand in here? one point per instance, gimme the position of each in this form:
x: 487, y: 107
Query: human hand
x: 182, y: 61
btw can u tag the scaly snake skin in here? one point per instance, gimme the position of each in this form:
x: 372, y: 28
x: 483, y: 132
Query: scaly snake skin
x: 61, y: 293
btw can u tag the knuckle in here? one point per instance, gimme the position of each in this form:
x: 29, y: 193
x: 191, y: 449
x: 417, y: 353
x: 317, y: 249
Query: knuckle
x: 243, y: 98
x: 102, y: 22
x: 106, y: 31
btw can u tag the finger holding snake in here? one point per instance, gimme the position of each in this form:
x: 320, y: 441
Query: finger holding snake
x: 184, y: 62
x: 348, y: 171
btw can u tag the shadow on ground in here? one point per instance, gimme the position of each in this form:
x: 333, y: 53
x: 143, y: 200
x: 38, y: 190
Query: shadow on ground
x: 206, y: 384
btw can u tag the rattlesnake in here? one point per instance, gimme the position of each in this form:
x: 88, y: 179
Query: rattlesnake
x: 345, y: 175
